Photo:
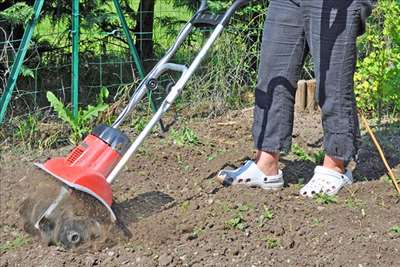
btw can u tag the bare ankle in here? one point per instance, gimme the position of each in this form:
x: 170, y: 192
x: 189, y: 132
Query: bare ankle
x: 334, y: 164
x: 268, y: 162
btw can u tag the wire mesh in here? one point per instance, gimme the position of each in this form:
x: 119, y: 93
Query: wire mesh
x: 104, y: 56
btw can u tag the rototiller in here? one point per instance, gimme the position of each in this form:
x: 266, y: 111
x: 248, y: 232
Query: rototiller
x: 93, y: 165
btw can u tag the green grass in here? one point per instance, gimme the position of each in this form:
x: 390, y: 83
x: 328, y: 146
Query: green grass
x: 27, y: 130
x: 224, y: 206
x: 184, y: 136
x: 354, y: 203
x: 316, y: 157
x: 183, y: 165
x: 325, y: 199
x: 139, y: 123
x: 198, y: 231
x: 19, y: 241
x: 184, y: 206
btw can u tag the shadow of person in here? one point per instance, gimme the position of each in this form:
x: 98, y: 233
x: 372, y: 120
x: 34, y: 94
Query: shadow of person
x: 297, y: 171
x: 369, y: 164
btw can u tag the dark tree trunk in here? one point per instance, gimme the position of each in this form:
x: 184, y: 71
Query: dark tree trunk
x: 144, y: 29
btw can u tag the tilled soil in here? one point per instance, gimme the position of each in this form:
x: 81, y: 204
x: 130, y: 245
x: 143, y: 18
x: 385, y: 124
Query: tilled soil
x: 174, y: 213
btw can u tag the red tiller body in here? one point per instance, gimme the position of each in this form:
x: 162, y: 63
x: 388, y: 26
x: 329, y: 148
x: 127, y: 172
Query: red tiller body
x: 95, y: 154
x: 87, y: 166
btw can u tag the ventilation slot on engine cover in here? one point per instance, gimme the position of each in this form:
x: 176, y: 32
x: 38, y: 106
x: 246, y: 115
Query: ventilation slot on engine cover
x: 74, y: 155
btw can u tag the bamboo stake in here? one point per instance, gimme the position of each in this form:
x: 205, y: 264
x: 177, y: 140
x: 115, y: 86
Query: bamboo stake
x: 378, y: 147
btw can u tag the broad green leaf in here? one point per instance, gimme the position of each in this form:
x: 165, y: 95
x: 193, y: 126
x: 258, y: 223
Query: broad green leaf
x: 27, y: 72
x: 92, y: 112
x: 61, y: 110
x: 103, y: 95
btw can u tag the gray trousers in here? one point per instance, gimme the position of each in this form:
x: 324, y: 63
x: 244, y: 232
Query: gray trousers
x: 327, y: 29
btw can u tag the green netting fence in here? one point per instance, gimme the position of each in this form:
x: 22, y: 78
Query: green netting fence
x: 104, y: 56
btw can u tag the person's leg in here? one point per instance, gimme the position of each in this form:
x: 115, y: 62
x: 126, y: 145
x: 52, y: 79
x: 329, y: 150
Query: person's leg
x: 331, y: 29
x: 334, y: 52
x: 282, y: 55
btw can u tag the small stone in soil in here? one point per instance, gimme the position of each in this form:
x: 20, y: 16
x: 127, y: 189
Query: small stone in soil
x: 165, y: 260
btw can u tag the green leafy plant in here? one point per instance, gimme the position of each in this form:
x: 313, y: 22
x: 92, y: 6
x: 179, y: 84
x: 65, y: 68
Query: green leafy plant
x: 211, y: 157
x: 236, y: 222
x: 80, y: 125
x: 183, y: 164
x: 184, y: 206
x: 19, y: 13
x: 377, y: 78
x: 395, y: 229
x: 27, y: 130
x: 299, y: 152
x: 267, y: 215
x: 197, y: 231
x: 243, y: 207
x: 184, y: 136
x: 319, y: 157
x: 27, y: 72
x: 139, y: 124
x: 271, y: 242
x: 325, y: 199
x: 316, y: 222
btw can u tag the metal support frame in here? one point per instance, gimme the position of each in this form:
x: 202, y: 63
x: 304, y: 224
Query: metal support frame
x: 16, y: 67
x: 75, y: 58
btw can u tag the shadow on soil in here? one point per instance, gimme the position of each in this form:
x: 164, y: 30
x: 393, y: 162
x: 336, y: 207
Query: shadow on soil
x: 368, y: 167
x: 139, y: 207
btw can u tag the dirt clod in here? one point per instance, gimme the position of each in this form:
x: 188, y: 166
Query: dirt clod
x: 165, y: 260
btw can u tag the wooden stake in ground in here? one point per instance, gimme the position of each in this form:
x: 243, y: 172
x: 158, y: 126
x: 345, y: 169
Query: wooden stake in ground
x: 378, y: 147
x: 301, y: 96
x: 311, y: 89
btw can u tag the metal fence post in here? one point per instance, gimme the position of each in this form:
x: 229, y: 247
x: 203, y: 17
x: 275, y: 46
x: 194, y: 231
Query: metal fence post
x: 75, y: 57
x: 132, y: 48
x: 16, y: 68
x: 135, y: 55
